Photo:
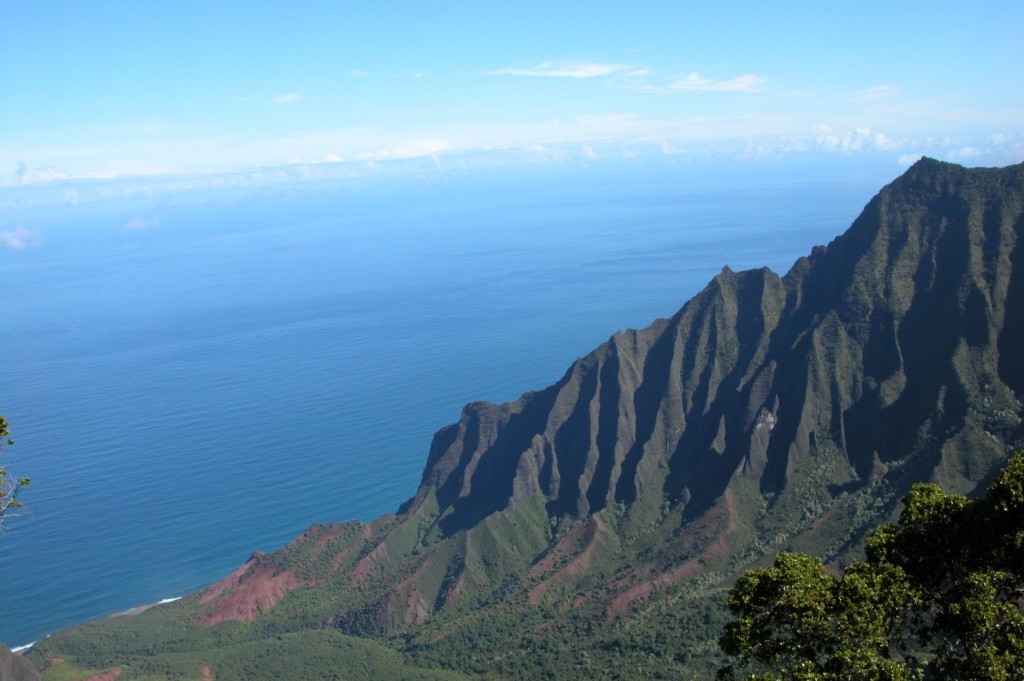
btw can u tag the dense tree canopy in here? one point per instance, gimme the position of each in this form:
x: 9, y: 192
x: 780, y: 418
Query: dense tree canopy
x: 939, y: 596
x: 10, y: 486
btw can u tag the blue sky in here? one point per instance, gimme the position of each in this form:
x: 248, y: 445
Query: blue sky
x: 110, y: 89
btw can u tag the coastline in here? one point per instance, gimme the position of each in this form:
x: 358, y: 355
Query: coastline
x: 18, y: 650
x: 143, y: 608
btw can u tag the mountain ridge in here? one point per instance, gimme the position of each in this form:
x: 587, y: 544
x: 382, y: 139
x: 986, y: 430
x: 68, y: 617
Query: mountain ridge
x: 759, y: 299
x: 769, y: 412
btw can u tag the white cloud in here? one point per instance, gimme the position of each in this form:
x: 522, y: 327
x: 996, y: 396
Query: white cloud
x: 883, y: 142
x: 908, y: 125
x: 965, y: 153
x: 544, y: 152
x: 286, y: 98
x: 588, y: 152
x: 555, y: 69
x: 19, y: 239
x: 41, y: 174
x: 360, y: 74
x: 698, y: 83
x: 139, y: 224
x: 858, y: 139
x: 909, y: 159
x: 598, y: 120
x: 328, y: 158
x: 644, y: 87
x: 874, y: 94
x: 411, y: 149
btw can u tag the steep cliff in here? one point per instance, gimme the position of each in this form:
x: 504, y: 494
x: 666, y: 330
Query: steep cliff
x: 595, y: 524
x: 893, y: 346
x: 788, y: 411
x: 13, y: 667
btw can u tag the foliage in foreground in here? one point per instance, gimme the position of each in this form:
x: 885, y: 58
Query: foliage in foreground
x: 939, y: 596
x: 10, y: 486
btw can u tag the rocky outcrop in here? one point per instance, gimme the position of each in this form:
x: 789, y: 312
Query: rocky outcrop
x: 14, y: 667
x: 246, y: 592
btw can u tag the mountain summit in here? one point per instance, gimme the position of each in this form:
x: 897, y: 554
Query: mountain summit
x: 590, y: 529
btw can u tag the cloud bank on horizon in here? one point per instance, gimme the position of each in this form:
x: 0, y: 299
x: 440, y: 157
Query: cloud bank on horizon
x: 102, y: 91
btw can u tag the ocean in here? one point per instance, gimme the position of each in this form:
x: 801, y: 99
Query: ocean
x: 193, y: 376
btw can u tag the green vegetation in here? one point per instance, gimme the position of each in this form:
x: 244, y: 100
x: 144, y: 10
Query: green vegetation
x: 594, y: 529
x: 236, y: 652
x: 939, y: 596
x: 10, y: 486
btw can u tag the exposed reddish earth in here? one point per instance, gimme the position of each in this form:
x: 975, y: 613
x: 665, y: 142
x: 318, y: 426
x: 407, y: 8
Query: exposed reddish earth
x: 246, y: 592
x: 366, y: 565
x: 718, y: 525
x: 582, y: 542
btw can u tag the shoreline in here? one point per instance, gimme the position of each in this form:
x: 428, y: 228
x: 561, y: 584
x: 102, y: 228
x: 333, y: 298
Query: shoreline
x: 18, y: 650
x: 143, y: 608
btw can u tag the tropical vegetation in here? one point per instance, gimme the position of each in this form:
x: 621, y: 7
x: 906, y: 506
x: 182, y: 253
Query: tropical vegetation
x: 938, y: 596
x: 10, y: 486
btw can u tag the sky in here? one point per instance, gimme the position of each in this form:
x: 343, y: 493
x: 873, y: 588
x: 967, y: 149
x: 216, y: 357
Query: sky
x: 106, y: 89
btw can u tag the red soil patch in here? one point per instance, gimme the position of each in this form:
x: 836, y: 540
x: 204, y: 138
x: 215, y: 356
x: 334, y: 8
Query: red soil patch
x: 407, y: 598
x: 332, y: 532
x: 592, y: 534
x: 457, y: 589
x: 578, y: 539
x: 207, y: 674
x: 622, y: 603
x: 416, y: 606
x: 319, y: 535
x: 365, y: 534
x: 636, y: 574
x: 246, y: 592
x: 343, y: 556
x: 584, y: 541
x: 370, y: 561
x: 229, y: 582
x: 548, y: 562
x: 719, y: 522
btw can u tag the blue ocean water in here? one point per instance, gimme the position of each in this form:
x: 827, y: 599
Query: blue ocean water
x: 190, y: 378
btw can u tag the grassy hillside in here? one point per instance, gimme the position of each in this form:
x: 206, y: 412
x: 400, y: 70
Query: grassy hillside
x: 593, y: 528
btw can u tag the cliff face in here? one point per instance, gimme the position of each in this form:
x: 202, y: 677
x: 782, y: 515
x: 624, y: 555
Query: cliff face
x: 768, y: 413
x: 14, y: 667
x: 797, y: 408
x: 896, y: 350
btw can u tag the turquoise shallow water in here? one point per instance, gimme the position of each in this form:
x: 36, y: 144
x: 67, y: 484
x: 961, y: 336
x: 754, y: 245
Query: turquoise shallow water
x: 243, y: 366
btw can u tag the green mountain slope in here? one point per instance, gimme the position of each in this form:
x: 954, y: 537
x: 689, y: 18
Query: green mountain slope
x: 591, y: 529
